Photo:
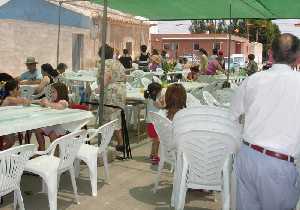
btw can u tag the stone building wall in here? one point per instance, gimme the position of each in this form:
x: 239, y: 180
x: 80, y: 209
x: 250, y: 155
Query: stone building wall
x: 20, y: 39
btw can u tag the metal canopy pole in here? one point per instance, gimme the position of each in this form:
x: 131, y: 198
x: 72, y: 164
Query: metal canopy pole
x: 58, y: 33
x: 102, y: 68
x: 229, y: 42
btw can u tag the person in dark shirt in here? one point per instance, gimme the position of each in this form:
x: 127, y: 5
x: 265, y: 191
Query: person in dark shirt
x: 126, y: 59
x: 144, y: 59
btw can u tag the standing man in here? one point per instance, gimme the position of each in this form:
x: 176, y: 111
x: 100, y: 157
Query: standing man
x: 32, y: 75
x: 267, y: 178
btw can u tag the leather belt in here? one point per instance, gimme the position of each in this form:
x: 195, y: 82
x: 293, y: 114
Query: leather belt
x: 270, y: 153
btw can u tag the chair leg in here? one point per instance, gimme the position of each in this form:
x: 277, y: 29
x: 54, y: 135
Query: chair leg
x: 19, y: 199
x: 52, y: 192
x: 72, y: 173
x: 44, y: 187
x: 105, y: 162
x: 77, y: 167
x: 160, y: 167
x: 15, y: 200
x: 93, y: 175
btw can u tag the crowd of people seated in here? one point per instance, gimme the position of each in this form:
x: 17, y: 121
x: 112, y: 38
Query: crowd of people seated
x: 48, y: 77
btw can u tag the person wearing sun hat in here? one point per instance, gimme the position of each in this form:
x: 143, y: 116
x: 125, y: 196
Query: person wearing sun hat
x: 32, y: 75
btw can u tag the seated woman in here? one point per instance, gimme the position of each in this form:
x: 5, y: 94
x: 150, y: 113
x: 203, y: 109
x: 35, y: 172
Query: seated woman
x: 59, y: 100
x: 50, y: 75
x: 10, y: 96
x: 175, y: 99
x: 194, y: 73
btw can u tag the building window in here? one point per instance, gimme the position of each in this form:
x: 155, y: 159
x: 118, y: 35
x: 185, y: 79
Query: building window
x: 217, y: 45
x: 196, y: 46
x: 166, y: 46
x: 174, y: 46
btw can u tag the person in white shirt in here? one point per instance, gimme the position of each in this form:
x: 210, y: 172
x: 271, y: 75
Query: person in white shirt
x: 267, y: 178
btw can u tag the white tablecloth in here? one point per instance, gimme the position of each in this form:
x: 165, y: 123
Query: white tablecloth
x: 15, y: 119
x: 189, y: 86
x: 82, y: 77
x: 135, y: 94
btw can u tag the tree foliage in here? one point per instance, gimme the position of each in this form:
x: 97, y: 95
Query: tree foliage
x: 263, y: 31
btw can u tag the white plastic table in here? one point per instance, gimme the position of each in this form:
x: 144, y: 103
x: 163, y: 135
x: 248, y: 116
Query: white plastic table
x: 80, y: 76
x: 135, y: 94
x: 15, y: 119
x: 189, y: 86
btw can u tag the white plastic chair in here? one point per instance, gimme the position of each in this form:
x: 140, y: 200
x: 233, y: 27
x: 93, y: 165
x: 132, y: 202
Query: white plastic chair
x: 157, y: 80
x: 209, y: 99
x: 12, y: 162
x: 27, y: 91
x: 167, y: 152
x: 137, y: 74
x: 50, y: 167
x: 221, y: 118
x: 146, y: 82
x: 208, y: 150
x: 89, y: 153
x: 192, y: 101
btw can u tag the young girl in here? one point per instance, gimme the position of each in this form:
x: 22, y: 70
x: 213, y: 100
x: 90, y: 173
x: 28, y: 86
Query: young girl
x: 59, y: 100
x: 154, y: 104
x: 10, y: 96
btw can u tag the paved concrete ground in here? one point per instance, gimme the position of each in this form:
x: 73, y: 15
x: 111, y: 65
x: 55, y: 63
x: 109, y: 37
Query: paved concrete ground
x: 129, y: 189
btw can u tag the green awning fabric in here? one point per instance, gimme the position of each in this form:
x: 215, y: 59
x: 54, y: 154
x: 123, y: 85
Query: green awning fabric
x: 207, y: 9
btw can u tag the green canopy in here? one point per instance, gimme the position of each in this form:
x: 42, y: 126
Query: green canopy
x: 207, y: 9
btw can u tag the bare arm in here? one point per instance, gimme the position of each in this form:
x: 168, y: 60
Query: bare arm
x: 16, y: 101
x: 62, y: 104
x: 30, y: 82
x: 45, y: 81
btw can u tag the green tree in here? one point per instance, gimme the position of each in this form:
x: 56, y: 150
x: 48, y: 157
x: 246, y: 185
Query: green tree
x: 198, y: 26
x: 263, y: 31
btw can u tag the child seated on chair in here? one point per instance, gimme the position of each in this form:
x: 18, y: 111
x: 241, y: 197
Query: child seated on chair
x: 58, y: 100
x: 154, y: 104
x: 10, y: 96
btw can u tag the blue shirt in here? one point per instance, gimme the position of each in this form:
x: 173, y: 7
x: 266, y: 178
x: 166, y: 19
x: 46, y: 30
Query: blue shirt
x: 36, y: 75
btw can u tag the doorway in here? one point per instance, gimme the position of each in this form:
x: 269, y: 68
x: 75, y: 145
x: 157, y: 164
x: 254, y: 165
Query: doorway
x: 77, y: 51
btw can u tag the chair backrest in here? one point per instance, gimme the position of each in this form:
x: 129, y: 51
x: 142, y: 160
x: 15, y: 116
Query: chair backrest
x: 205, y: 150
x: 106, y: 131
x: 12, y: 163
x: 164, y: 128
x: 148, y: 75
x: 206, y: 118
x: 26, y: 91
x: 157, y: 80
x: 209, y: 99
x: 137, y: 74
x: 68, y: 147
x: 198, y: 93
x: 223, y: 95
x: 192, y: 101
x: 146, y: 82
x: 205, y: 110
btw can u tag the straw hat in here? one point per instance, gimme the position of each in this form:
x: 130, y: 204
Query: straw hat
x: 30, y: 60
x: 156, y: 59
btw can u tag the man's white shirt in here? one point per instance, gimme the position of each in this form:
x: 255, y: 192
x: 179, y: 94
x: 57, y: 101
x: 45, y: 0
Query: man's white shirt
x: 270, y: 101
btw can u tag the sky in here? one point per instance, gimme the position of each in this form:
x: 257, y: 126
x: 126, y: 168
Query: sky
x: 164, y: 27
